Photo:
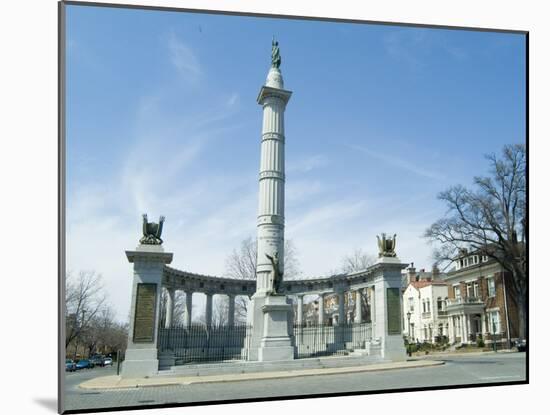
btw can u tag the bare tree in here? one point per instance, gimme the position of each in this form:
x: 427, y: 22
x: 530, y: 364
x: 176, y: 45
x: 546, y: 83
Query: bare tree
x: 179, y: 307
x: 220, y: 310
x: 84, y: 299
x: 241, y: 264
x: 491, y: 220
x: 356, y: 261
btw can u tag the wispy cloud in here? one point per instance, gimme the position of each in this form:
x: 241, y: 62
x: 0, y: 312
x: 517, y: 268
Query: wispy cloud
x: 306, y: 164
x: 183, y: 58
x: 400, y: 163
x: 414, y: 47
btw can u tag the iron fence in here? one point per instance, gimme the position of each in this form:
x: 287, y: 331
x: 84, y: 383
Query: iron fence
x: 325, y: 340
x: 199, y: 343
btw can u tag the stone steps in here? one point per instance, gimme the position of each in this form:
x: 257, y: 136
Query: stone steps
x: 235, y: 367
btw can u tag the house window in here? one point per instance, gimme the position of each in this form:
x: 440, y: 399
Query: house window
x: 469, y: 290
x: 439, y: 304
x: 457, y: 291
x: 470, y: 260
x: 428, y: 305
x: 476, y: 290
x: 484, y: 258
x: 491, y: 287
x: 411, y: 304
x: 494, y: 321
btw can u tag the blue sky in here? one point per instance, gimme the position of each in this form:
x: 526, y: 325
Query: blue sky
x: 162, y: 118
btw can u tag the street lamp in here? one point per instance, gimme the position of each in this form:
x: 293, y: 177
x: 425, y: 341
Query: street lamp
x: 409, y: 333
x: 409, y: 324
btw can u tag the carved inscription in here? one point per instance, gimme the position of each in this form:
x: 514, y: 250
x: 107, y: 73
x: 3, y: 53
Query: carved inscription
x: 393, y: 308
x: 144, y: 320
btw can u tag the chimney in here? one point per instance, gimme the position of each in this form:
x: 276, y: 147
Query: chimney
x: 411, y: 275
x: 435, y: 272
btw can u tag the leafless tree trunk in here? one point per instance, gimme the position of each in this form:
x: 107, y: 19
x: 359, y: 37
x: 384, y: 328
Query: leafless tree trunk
x: 83, y: 301
x: 490, y: 220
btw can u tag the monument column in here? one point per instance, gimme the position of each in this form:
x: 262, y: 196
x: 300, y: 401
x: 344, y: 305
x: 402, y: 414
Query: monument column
x: 341, y: 308
x: 270, y: 312
x: 148, y: 259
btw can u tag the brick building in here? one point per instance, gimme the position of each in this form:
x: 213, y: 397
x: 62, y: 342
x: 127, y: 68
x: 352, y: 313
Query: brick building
x: 480, y: 303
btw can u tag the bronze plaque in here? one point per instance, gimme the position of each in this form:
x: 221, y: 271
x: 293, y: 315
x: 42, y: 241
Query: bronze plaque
x: 144, y: 320
x: 393, y: 307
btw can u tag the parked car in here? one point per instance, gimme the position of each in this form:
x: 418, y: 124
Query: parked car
x: 70, y: 365
x: 108, y: 361
x: 84, y: 364
x: 97, y: 360
x: 521, y: 345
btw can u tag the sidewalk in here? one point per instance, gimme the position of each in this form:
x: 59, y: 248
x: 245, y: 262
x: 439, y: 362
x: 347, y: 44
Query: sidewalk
x: 116, y: 382
x: 435, y: 355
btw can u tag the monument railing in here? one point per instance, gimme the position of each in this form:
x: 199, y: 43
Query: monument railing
x: 199, y: 343
x: 325, y: 340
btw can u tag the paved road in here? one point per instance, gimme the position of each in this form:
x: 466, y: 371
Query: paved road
x: 458, y: 370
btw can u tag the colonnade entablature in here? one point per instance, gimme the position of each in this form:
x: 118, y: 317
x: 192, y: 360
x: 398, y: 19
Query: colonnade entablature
x: 333, y: 284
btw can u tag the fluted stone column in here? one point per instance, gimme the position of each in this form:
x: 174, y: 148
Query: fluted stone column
x: 231, y: 310
x: 372, y: 308
x: 358, y: 308
x: 341, y: 309
x: 321, y: 309
x: 169, y: 308
x: 188, y: 308
x: 300, y: 310
x: 271, y: 212
x: 208, y: 311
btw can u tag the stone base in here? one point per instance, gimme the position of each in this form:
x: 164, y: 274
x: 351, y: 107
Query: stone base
x: 393, y: 348
x: 277, y: 342
x: 167, y: 359
x: 280, y: 308
x: 139, y: 363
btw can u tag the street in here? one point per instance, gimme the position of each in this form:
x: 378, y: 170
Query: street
x: 457, y: 370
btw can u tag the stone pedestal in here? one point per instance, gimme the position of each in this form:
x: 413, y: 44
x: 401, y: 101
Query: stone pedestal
x: 262, y: 316
x: 142, y: 352
x: 388, y: 330
x: 276, y: 343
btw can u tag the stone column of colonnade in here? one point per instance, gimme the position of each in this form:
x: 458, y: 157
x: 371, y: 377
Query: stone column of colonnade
x: 231, y: 310
x: 208, y: 311
x: 358, y: 308
x: 341, y: 308
x: 321, y: 309
x: 188, y: 308
x: 170, y: 299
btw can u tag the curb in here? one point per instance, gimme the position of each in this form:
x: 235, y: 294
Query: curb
x: 113, y: 382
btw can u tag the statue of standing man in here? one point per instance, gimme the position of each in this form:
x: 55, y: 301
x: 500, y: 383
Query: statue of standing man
x: 275, y: 54
x: 277, y: 274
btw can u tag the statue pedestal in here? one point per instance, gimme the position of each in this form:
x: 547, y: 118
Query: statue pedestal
x: 271, y: 337
x: 142, y: 352
x: 276, y: 343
